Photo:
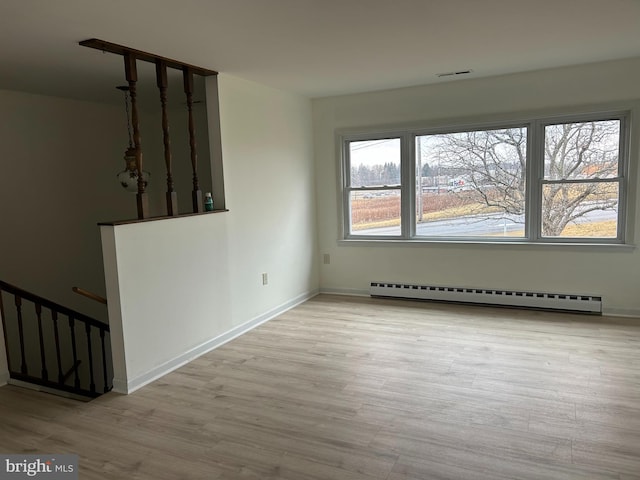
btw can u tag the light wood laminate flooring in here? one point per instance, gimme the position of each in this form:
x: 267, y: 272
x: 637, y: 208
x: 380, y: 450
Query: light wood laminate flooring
x: 361, y: 389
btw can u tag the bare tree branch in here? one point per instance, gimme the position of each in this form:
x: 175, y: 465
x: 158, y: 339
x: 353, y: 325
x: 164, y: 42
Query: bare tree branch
x: 493, y: 164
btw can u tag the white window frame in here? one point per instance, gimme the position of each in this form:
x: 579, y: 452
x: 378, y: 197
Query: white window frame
x: 347, y: 188
x: 534, y: 180
x: 621, y: 179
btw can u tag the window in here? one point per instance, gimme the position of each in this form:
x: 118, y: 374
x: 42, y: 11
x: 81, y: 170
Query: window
x: 582, y: 179
x: 472, y: 184
x: 560, y: 180
x: 373, y: 190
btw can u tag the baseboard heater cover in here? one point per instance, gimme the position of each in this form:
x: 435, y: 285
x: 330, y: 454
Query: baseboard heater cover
x: 507, y: 298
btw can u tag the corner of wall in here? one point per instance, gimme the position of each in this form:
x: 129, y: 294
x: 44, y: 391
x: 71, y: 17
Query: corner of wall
x: 109, y: 258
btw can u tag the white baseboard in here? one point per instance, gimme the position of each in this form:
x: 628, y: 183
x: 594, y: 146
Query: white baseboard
x: 620, y: 312
x: 120, y: 386
x: 127, y: 387
x: 351, y: 292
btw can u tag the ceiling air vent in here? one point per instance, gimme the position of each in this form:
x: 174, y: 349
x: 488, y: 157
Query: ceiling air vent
x: 453, y: 74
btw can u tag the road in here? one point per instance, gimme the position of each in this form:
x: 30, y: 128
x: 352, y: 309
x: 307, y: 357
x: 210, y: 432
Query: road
x: 479, y: 226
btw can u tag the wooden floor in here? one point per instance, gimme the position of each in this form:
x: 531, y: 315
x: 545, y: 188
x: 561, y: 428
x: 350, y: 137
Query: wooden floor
x: 360, y: 389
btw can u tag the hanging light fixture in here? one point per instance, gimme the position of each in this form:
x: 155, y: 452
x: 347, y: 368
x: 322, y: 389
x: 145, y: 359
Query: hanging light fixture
x: 128, y: 177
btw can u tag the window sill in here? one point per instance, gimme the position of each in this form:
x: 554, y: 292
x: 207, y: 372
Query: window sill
x: 377, y: 242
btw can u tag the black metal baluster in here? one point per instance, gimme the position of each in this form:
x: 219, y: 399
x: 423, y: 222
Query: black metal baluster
x: 23, y: 366
x: 76, y: 382
x: 104, y: 361
x: 43, y: 361
x: 4, y: 330
x: 92, y: 385
x: 54, y: 316
x: 46, y: 334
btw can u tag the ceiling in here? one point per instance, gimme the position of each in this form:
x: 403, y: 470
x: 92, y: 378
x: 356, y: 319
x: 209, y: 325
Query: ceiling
x: 315, y: 48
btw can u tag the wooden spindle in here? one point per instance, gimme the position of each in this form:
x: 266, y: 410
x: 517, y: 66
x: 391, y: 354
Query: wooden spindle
x: 92, y: 385
x: 131, y: 74
x: 104, y: 361
x: 43, y: 361
x: 54, y: 317
x: 72, y: 328
x: 196, y: 194
x: 161, y: 80
x: 23, y: 359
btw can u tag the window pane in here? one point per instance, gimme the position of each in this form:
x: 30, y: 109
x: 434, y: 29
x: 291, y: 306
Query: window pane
x: 588, y: 210
x: 581, y: 150
x: 471, y: 183
x: 375, y: 212
x: 375, y: 163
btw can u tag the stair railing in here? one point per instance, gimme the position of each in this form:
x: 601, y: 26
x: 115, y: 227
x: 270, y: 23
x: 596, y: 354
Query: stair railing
x: 39, y: 334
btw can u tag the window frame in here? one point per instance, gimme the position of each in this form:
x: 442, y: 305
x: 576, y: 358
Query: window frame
x: 622, y: 178
x: 347, y: 188
x: 534, y: 179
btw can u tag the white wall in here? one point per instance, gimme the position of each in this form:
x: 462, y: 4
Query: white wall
x: 168, y: 292
x: 270, y: 193
x: 58, y: 161
x: 179, y: 287
x: 612, y: 272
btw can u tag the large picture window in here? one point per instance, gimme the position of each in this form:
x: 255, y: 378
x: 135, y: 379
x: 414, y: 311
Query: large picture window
x: 472, y: 184
x: 536, y: 181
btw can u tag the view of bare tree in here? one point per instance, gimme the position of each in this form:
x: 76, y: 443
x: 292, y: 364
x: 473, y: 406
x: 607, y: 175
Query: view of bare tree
x: 578, y: 160
x: 578, y: 152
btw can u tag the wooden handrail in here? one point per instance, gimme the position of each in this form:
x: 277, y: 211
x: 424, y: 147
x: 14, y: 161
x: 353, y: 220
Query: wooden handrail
x: 91, y: 295
x: 144, y: 56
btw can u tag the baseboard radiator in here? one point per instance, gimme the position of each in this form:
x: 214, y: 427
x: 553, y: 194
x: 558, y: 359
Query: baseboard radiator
x: 508, y: 298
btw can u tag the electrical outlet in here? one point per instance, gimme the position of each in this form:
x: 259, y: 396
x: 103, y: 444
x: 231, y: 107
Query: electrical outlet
x: 265, y: 279
x: 326, y: 258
